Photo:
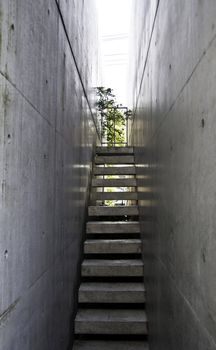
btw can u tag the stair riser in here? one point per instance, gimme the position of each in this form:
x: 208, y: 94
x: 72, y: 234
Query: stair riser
x: 114, y: 170
x: 114, y: 150
x: 112, y: 228
x: 110, y: 328
x: 111, y: 297
x: 112, y: 271
x: 110, y: 345
x: 112, y: 248
x: 114, y: 196
x: 114, y: 159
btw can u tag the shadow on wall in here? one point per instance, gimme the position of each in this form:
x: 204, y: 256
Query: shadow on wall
x: 173, y: 133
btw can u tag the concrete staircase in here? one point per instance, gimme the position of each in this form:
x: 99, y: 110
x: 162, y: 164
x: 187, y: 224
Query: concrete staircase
x: 111, y: 313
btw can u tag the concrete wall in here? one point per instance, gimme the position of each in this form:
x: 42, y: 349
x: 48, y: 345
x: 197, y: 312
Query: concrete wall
x: 174, y: 81
x: 48, y: 66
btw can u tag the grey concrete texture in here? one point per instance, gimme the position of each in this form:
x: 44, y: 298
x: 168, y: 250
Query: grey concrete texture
x: 114, y: 195
x: 124, y: 182
x: 112, y: 321
x: 124, y: 170
x: 47, y: 136
x: 174, y: 135
x: 112, y: 268
x: 112, y: 227
x: 110, y: 246
x: 110, y: 345
x: 113, y: 211
x: 114, y: 150
x: 94, y: 292
x: 114, y: 160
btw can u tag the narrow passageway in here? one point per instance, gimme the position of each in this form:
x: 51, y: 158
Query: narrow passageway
x: 106, y: 247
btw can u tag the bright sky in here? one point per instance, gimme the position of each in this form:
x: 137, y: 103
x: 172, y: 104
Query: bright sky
x: 114, y: 24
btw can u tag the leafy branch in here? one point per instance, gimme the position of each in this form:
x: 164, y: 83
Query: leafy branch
x: 113, y: 119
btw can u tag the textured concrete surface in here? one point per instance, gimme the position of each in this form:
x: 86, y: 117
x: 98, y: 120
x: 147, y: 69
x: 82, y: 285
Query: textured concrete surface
x: 113, y: 227
x: 113, y: 211
x: 130, y: 170
x: 46, y: 138
x: 111, y: 292
x: 110, y: 246
x: 114, y: 150
x: 173, y: 72
x: 110, y: 345
x: 124, y: 182
x: 114, y: 160
x: 104, y: 321
x: 114, y: 195
x: 114, y: 268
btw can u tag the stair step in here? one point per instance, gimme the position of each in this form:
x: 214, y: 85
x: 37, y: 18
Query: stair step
x: 94, y: 321
x: 115, y: 170
x: 112, y: 246
x: 114, y: 150
x: 112, y: 293
x: 114, y: 183
x: 114, y: 196
x: 112, y: 211
x: 113, y: 227
x: 112, y: 268
x: 114, y: 159
x: 110, y: 345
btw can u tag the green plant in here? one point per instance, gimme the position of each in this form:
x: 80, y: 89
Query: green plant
x: 113, y: 119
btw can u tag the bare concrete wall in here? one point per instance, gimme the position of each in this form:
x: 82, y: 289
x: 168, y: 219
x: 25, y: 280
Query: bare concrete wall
x: 174, y: 80
x: 48, y: 66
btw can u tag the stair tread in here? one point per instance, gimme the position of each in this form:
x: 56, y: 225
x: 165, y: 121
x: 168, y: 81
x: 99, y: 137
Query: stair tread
x: 111, y: 315
x: 111, y: 321
x: 110, y: 223
x: 109, y: 211
x: 112, y: 246
x: 114, y: 195
x: 112, y: 262
x: 111, y: 159
x: 114, y: 182
x: 112, y: 292
x: 110, y: 287
x: 112, y: 268
x: 110, y: 345
x: 113, y: 241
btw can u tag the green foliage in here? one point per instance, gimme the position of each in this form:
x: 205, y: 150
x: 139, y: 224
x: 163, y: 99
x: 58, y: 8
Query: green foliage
x: 113, y: 120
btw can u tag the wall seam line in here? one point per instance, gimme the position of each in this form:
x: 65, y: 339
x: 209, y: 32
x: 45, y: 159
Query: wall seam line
x: 6, y: 313
x: 183, y: 87
x: 76, y: 65
x: 147, y: 55
x: 26, y: 99
x: 28, y: 287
